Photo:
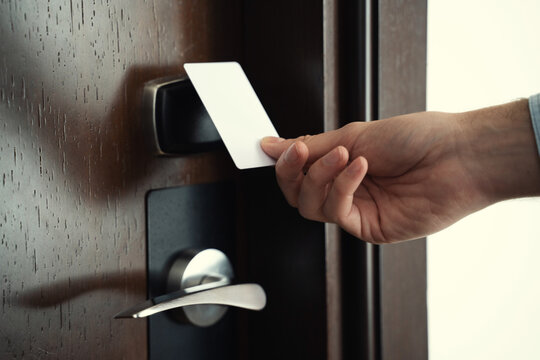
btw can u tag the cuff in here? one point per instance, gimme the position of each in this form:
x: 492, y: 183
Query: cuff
x: 534, y: 108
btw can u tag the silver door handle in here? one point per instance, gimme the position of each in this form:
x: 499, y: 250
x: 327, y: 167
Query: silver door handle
x: 204, y: 282
x: 246, y: 296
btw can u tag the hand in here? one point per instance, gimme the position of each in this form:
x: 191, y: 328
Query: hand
x: 399, y: 178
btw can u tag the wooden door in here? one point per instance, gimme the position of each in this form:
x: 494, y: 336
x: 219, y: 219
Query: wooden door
x: 76, y: 165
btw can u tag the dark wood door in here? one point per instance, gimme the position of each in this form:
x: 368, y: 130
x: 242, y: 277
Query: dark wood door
x: 76, y: 165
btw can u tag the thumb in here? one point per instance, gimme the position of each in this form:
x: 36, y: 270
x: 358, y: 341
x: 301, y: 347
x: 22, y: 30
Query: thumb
x: 318, y: 145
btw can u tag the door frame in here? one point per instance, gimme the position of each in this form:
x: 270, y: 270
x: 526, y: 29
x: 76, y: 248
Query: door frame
x: 374, y: 67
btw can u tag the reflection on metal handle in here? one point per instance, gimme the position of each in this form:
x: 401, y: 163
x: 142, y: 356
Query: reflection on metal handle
x: 247, y: 296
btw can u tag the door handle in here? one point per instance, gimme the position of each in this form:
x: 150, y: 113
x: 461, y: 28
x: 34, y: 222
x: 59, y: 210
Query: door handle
x: 200, y: 289
x: 247, y: 296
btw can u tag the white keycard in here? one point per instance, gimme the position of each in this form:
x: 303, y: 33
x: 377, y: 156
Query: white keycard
x: 235, y: 110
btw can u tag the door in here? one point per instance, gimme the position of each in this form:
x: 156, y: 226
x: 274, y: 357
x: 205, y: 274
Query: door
x: 77, y: 168
x: 74, y: 185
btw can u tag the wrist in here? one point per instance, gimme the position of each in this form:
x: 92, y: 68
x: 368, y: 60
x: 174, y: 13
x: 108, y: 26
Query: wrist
x: 498, y: 149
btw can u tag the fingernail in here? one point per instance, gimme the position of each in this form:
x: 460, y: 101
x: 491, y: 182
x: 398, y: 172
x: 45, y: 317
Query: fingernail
x: 272, y: 139
x: 332, y: 158
x: 291, y: 155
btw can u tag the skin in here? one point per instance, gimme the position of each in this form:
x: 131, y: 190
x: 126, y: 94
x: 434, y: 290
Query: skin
x: 412, y: 175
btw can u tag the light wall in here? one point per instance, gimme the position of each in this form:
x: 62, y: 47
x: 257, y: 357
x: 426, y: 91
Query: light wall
x: 484, y: 271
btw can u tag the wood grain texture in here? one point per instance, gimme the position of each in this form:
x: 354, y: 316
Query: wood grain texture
x: 75, y: 164
x: 402, y: 89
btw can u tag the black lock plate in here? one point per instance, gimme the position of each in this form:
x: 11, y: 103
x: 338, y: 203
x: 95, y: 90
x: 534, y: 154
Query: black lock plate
x: 196, y: 216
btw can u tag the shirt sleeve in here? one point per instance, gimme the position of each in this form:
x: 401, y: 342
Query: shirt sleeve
x: 534, y: 108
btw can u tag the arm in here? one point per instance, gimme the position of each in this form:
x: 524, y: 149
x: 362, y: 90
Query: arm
x: 411, y: 175
x: 499, y: 148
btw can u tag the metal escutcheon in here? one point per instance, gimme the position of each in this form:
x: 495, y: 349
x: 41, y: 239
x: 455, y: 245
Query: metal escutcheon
x: 194, y: 268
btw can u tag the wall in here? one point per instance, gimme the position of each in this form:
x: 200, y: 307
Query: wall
x: 483, y: 272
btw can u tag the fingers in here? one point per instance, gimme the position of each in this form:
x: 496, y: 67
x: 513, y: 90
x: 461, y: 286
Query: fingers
x: 318, y: 180
x: 318, y: 145
x: 326, y: 192
x: 339, y: 206
x: 289, y: 171
x: 274, y: 146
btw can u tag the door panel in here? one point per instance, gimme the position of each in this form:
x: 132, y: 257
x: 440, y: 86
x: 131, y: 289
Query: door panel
x: 75, y: 166
x: 285, y: 254
x: 283, y: 57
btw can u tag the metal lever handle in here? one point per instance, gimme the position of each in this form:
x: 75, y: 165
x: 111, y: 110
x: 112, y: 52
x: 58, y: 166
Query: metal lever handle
x: 247, y: 296
x: 199, y: 283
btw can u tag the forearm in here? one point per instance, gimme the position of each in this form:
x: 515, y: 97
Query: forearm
x: 498, y: 148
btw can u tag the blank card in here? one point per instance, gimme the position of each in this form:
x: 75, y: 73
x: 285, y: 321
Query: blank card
x: 235, y: 110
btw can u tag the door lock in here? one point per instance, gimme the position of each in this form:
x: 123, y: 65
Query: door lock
x: 200, y: 290
x: 177, y: 117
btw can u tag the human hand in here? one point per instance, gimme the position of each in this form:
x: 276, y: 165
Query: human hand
x: 394, y: 179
